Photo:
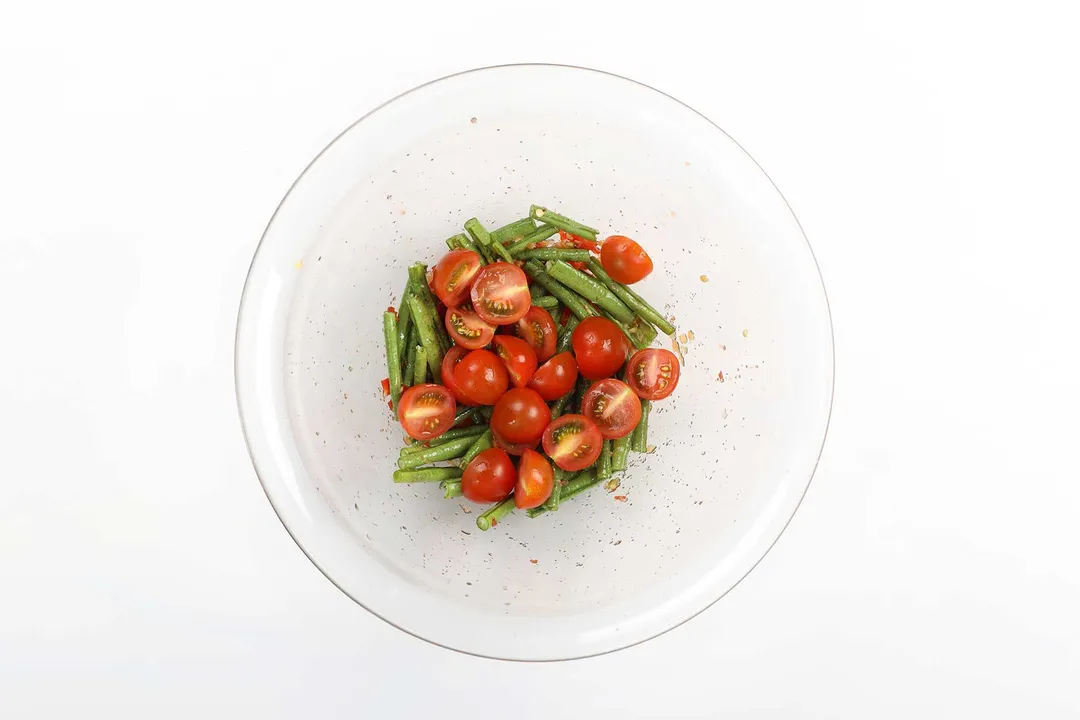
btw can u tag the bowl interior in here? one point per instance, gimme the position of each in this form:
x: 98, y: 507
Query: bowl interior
x: 734, y: 447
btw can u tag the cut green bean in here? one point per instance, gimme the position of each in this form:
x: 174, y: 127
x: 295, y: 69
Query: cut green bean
x: 577, y: 304
x: 448, y: 451
x: 582, y: 482
x: 467, y: 413
x: 540, y: 234
x: 465, y: 243
x: 562, y: 222
x: 547, y: 302
x: 619, y: 450
x: 458, y: 242
x: 420, y: 369
x: 639, y: 440
x: 632, y: 300
x: 426, y: 475
x: 603, y: 465
x: 536, y: 291
x: 559, y: 406
x: 639, y: 333
x: 487, y: 241
x: 482, y: 443
x: 562, y: 477
x: 451, y: 489
x: 514, y: 232
x: 418, y: 278
x: 495, y: 513
x: 450, y: 435
x: 566, y: 335
x: 393, y: 359
x: 582, y: 386
x: 404, y: 323
x: 567, y: 254
x: 425, y: 328
x: 410, y: 361
x: 591, y: 289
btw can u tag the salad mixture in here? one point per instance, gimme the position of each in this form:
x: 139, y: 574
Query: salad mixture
x: 525, y: 343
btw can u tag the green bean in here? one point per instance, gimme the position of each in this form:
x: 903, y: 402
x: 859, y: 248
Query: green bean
x: 451, y: 489
x: 451, y: 242
x: 577, y: 304
x: 640, y: 333
x: 619, y: 450
x: 466, y: 413
x: 634, y: 301
x: 405, y: 323
x: 562, y: 222
x: 447, y: 451
x: 583, y: 384
x: 582, y: 482
x: 515, y: 231
x: 465, y: 243
x: 540, y: 234
x: 639, y: 440
x: 393, y: 359
x: 603, y: 466
x: 567, y: 254
x: 547, y: 302
x: 482, y: 443
x: 428, y: 339
x: 427, y: 475
x: 495, y: 513
x: 566, y: 335
x: 420, y: 370
x: 562, y: 477
x: 591, y: 289
x: 559, y: 406
x: 450, y: 435
x: 418, y: 277
x: 410, y: 360
x: 536, y: 291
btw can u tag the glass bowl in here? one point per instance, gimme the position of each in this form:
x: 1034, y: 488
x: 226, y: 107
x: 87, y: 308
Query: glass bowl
x: 735, y: 446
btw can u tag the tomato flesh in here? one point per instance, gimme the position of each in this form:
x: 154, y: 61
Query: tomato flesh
x: 489, y: 478
x: 481, y: 376
x: 535, y: 481
x: 467, y: 329
x: 613, y: 406
x: 520, y: 416
x: 600, y: 347
x: 538, y: 329
x: 449, y: 362
x: 500, y: 294
x: 426, y: 411
x: 653, y: 373
x: 572, y: 442
x: 624, y: 260
x: 556, y: 377
x: 454, y: 275
x: 518, y: 356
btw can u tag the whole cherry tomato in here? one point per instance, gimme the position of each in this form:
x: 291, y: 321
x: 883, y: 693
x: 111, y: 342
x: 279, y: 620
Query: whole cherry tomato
x: 520, y: 416
x: 426, y: 411
x: 600, y: 347
x: 489, y: 478
x: 653, y: 373
x: 449, y: 362
x: 624, y: 260
x: 556, y: 377
x: 481, y: 376
x: 535, y: 481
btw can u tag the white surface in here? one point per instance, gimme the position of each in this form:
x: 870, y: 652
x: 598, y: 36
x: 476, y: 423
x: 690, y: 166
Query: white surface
x: 699, y: 512
x: 930, y: 152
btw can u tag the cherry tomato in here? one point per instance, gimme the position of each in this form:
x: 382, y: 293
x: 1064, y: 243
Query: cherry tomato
x: 454, y: 275
x: 510, y: 447
x: 489, y: 477
x: 449, y: 362
x: 556, y: 377
x: 519, y: 357
x: 572, y: 442
x: 467, y: 329
x: 599, y: 347
x: 653, y: 373
x: 613, y: 406
x: 624, y: 260
x: 426, y: 411
x: 481, y: 376
x: 535, y: 481
x: 500, y: 294
x: 520, y: 416
x: 538, y: 329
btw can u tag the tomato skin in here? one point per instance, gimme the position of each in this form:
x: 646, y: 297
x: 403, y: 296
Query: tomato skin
x: 520, y: 416
x: 426, y: 411
x: 466, y: 328
x: 510, y: 447
x: 535, y: 481
x: 454, y: 275
x: 481, y: 376
x: 449, y: 362
x: 599, y: 347
x: 624, y: 260
x: 489, y: 478
x: 556, y: 377
x: 518, y: 356
x: 613, y: 406
x: 653, y: 373
x: 538, y: 329
x: 500, y: 294
x: 572, y: 442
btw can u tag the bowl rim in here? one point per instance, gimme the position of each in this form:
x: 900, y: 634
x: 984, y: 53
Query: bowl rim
x: 244, y: 299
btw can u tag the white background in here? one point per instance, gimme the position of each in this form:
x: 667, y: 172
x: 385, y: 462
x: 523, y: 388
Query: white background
x: 930, y: 151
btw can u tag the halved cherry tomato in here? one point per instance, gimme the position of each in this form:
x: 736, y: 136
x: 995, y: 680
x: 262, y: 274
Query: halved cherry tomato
x: 600, y: 347
x: 500, y: 294
x: 538, y: 329
x: 579, y: 242
x: 519, y: 357
x: 535, y: 481
x: 572, y: 442
x: 426, y: 411
x: 489, y: 477
x: 467, y: 329
x: 449, y: 362
x: 624, y: 260
x: 454, y: 275
x: 520, y: 416
x: 653, y: 373
x: 556, y: 377
x: 613, y: 406
x: 481, y: 376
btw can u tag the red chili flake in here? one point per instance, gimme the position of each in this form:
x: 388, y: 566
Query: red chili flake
x: 565, y: 315
x: 620, y: 498
x: 385, y: 386
x: 390, y: 404
x: 534, y: 561
x: 579, y: 265
x: 391, y: 309
x: 494, y: 522
x: 579, y: 242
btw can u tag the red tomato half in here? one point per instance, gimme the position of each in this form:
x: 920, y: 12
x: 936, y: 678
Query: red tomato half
x: 500, y: 294
x: 538, y: 329
x: 481, y: 376
x: 520, y: 416
x: 449, y: 362
x: 454, y: 275
x: 519, y: 357
x: 600, y: 347
x: 556, y: 377
x: 489, y: 477
x: 613, y: 406
x: 426, y: 411
x: 467, y: 329
x: 624, y: 260
x: 572, y: 442
x: 653, y: 373
x: 535, y: 481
